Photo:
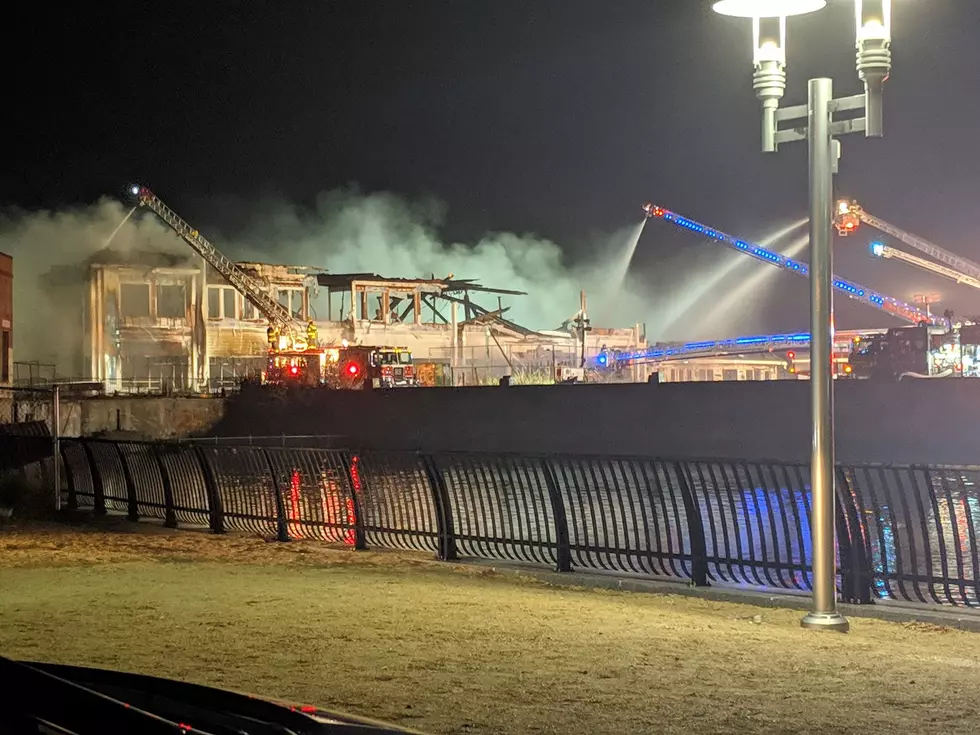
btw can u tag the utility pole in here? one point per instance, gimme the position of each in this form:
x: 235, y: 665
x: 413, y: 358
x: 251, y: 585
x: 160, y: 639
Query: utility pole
x: 584, y: 326
x: 56, y: 443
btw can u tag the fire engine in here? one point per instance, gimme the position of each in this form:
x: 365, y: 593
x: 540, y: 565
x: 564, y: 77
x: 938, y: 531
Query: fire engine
x: 349, y: 367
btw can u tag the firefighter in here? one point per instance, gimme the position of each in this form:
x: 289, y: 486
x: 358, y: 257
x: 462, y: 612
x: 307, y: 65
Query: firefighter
x: 311, y: 334
x: 273, y: 334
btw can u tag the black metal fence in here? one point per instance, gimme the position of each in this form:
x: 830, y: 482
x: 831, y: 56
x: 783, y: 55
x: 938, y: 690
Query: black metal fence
x: 907, y: 533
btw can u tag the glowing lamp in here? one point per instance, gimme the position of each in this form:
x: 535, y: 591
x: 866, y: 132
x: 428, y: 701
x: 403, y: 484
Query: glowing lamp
x: 791, y: 355
x: 877, y: 249
x: 134, y: 190
x: 767, y: 8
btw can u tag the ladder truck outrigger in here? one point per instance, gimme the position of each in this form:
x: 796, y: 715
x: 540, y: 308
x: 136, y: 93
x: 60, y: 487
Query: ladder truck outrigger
x: 295, y: 354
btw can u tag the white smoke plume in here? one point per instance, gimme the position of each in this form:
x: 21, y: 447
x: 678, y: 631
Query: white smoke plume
x: 47, y: 322
x: 350, y: 232
x: 347, y: 232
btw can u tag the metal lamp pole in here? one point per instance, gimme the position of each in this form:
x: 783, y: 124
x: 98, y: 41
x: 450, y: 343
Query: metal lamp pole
x: 820, y: 130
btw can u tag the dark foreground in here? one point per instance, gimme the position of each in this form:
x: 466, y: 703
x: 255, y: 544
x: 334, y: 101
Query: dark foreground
x: 453, y: 650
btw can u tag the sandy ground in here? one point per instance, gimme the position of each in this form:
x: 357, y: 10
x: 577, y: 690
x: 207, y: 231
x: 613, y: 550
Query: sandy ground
x: 448, y: 649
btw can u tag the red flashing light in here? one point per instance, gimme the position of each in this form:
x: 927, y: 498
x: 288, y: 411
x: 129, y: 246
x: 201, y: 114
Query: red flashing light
x: 352, y: 369
x: 293, y: 370
x: 790, y: 355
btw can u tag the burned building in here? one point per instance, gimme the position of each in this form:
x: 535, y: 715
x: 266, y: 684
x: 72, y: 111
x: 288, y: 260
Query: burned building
x: 154, y: 321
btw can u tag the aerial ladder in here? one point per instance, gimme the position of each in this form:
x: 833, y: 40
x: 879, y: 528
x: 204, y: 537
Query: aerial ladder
x: 850, y: 213
x: 880, y: 250
x: 291, y: 332
x: 738, y: 346
x: 715, y: 348
x: 899, y: 309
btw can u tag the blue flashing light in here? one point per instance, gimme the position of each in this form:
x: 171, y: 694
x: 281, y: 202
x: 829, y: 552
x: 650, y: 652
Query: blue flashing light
x: 776, y: 259
x: 767, y: 255
x: 602, y: 359
x: 846, y: 287
x: 878, y: 249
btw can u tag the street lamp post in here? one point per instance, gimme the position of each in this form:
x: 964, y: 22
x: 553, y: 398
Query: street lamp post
x: 815, y: 123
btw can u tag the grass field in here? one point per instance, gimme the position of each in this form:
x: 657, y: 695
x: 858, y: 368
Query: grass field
x: 456, y: 650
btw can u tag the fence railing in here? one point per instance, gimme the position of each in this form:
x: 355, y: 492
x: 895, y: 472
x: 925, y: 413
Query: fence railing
x: 907, y: 533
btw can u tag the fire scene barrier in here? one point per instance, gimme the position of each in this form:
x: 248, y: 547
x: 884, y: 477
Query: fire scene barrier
x: 907, y: 533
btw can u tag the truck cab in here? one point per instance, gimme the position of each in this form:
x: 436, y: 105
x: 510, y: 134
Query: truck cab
x: 392, y: 367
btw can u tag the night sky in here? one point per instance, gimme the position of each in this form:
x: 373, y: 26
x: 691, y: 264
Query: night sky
x: 558, y: 117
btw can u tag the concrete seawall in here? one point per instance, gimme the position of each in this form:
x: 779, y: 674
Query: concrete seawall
x: 915, y: 421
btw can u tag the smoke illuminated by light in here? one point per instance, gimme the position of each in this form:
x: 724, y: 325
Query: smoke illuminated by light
x: 697, y: 292
x: 721, y: 317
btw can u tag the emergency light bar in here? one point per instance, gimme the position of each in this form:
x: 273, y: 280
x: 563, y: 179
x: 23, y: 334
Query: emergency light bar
x: 892, y: 306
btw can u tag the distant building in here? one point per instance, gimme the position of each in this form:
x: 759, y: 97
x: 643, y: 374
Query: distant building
x: 711, y: 369
x: 6, y: 319
x: 150, y: 321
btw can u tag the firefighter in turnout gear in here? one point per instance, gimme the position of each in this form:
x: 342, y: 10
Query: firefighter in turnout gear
x: 311, y: 334
x: 273, y: 334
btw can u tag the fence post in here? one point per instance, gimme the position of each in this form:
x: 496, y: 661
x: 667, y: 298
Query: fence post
x: 131, y: 506
x: 355, y: 481
x: 216, y: 513
x: 170, y: 510
x: 562, y: 540
x: 56, y: 437
x: 98, y: 489
x: 695, y: 529
x: 856, y: 574
x: 444, y: 514
x: 282, y: 529
x: 70, y: 480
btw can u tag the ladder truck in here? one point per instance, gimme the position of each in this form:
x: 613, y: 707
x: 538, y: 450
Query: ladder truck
x: 849, y: 214
x: 295, y: 355
x: 852, y: 290
x: 281, y: 320
x: 784, y: 345
x: 880, y: 250
x: 957, y: 352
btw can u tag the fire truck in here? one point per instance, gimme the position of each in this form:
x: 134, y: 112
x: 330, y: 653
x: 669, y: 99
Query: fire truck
x: 899, y: 351
x: 918, y: 352
x: 295, y: 355
x: 346, y: 367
